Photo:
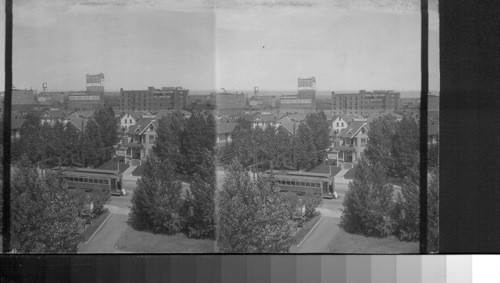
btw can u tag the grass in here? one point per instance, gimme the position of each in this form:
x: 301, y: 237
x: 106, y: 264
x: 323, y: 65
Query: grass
x: 146, y: 242
x: 112, y: 165
x: 325, y: 169
x: 344, y: 242
x: 350, y: 174
x: 306, y: 228
x: 138, y: 170
x: 92, y: 227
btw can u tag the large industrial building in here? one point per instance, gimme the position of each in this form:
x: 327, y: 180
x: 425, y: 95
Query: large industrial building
x: 226, y: 102
x: 304, y: 101
x: 166, y: 98
x: 92, y: 98
x: 365, y: 103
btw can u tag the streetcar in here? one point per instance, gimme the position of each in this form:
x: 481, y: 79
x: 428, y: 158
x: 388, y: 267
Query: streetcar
x: 303, y: 182
x: 108, y: 181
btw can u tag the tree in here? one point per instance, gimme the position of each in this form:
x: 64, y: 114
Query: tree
x: 252, y: 217
x: 167, y: 143
x: 379, y: 148
x: 156, y: 202
x: 304, y: 148
x: 368, y: 202
x: 193, y: 141
x: 407, y: 210
x: 320, y: 128
x: 92, y: 145
x: 44, y: 217
x: 108, y: 127
x: 30, y: 142
x: 433, y: 211
x: 406, y: 148
x: 201, y: 223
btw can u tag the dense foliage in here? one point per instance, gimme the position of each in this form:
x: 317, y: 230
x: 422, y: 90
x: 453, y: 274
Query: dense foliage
x: 160, y: 204
x: 156, y: 201
x: 392, y: 157
x: 44, y: 215
x: 252, y: 216
x: 277, y: 148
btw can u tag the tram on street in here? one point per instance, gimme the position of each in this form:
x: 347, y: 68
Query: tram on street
x: 303, y: 182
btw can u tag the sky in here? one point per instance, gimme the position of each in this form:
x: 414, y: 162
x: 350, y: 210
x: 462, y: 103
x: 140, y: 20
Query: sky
x: 236, y: 45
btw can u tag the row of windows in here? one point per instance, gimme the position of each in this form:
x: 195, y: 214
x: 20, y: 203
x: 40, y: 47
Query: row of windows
x: 87, y: 180
x: 299, y: 183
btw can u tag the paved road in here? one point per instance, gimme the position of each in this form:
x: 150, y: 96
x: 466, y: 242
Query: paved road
x: 107, y: 237
x: 320, y: 237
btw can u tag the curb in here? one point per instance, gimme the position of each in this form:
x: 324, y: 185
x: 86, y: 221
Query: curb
x: 99, y: 228
x: 312, y: 229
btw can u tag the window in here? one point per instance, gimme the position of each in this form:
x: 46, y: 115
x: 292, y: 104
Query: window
x: 101, y: 181
x: 303, y: 184
x: 85, y: 180
x: 338, y: 124
x: 151, y: 138
x: 80, y: 179
x: 292, y: 183
x: 125, y: 121
x: 106, y: 182
x: 308, y: 184
x: 287, y: 182
x: 342, y: 124
x: 130, y: 121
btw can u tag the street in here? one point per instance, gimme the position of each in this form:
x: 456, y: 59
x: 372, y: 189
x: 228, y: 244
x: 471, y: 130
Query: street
x: 106, y: 237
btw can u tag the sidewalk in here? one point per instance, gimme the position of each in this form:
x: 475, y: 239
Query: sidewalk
x: 129, y: 180
x: 339, y: 178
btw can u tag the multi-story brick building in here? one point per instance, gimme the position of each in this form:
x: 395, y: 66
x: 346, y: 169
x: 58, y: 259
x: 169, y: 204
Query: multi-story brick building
x: 265, y: 102
x: 226, y: 100
x: 166, y: 98
x: 365, y: 103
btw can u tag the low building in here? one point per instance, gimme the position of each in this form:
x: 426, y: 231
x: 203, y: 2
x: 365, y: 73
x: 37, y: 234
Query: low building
x: 74, y: 120
x: 224, y: 132
x: 264, y: 120
x: 15, y: 127
x: 351, y: 142
x: 52, y: 116
x: 140, y: 139
x: 262, y: 102
x: 295, y: 104
x: 432, y: 134
x: 291, y: 122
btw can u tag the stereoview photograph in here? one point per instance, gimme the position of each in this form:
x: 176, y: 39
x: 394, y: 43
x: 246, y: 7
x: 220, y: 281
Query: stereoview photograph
x: 221, y: 127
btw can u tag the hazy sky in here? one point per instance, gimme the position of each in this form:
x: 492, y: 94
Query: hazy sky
x: 345, y: 44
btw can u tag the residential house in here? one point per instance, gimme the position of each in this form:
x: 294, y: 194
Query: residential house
x: 263, y: 120
x: 140, y: 139
x: 432, y: 134
x: 224, y: 132
x: 15, y: 127
x: 52, y: 116
x: 73, y: 120
x: 291, y: 122
x: 341, y: 122
x: 86, y: 114
x: 129, y: 119
x: 351, y: 142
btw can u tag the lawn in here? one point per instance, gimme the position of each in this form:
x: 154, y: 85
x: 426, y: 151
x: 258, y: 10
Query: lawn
x: 138, y: 170
x: 112, y: 165
x: 306, y: 228
x: 92, y: 227
x: 146, y: 242
x: 325, y: 169
x: 344, y: 242
x: 349, y: 174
